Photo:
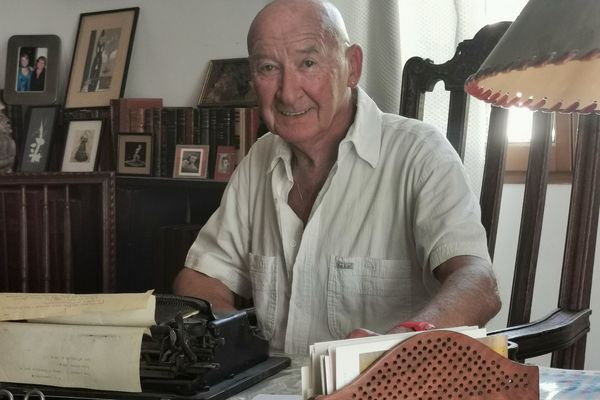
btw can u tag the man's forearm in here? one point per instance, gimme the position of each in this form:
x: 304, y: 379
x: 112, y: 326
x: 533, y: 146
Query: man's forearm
x: 468, y: 295
x: 195, y: 284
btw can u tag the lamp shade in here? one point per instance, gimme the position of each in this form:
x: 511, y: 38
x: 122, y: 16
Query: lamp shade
x: 548, y: 59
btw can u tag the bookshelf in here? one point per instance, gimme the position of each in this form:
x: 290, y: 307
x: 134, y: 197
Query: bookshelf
x: 157, y: 220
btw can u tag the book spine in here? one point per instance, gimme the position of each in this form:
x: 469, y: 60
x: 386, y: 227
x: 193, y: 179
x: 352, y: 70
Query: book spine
x: 157, y: 140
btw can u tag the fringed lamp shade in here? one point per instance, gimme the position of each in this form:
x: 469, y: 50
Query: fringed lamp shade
x: 548, y: 59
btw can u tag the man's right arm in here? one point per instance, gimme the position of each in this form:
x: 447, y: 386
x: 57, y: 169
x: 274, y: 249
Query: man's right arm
x: 189, y: 282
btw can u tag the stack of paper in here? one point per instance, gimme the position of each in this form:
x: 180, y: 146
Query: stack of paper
x: 87, y: 341
x: 336, y: 363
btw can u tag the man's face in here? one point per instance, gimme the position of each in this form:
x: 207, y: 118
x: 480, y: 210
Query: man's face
x: 301, y: 79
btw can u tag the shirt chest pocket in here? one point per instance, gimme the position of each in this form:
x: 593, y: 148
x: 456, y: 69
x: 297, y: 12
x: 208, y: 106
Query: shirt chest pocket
x: 365, y: 292
x: 263, y: 273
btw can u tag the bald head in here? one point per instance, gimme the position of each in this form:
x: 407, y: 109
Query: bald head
x: 325, y: 13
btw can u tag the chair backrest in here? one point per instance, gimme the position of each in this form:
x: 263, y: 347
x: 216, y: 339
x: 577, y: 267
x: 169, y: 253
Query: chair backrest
x: 564, y: 331
x: 57, y: 232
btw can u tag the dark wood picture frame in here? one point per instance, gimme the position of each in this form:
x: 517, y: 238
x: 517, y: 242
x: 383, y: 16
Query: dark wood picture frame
x: 225, y: 162
x: 82, y: 145
x: 35, y: 151
x: 35, y: 49
x: 227, y: 83
x: 135, y: 154
x: 101, y: 57
x: 191, y: 161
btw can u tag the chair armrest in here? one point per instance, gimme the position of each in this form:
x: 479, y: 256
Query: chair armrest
x: 558, y: 330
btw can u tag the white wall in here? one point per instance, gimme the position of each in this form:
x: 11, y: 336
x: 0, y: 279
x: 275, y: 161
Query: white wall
x: 174, y: 42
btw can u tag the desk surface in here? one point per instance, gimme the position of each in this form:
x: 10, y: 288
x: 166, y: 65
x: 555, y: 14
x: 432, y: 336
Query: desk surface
x: 555, y: 384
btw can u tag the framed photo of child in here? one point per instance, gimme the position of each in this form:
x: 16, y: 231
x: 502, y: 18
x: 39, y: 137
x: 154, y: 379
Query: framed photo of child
x: 225, y: 162
x: 191, y: 161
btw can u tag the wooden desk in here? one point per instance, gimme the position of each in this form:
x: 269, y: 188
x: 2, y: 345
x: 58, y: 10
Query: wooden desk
x: 555, y: 384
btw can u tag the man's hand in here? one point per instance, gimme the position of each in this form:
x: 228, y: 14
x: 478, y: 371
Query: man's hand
x: 360, y: 332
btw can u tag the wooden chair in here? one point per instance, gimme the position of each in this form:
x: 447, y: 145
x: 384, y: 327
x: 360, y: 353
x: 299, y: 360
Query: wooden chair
x: 57, y: 232
x: 563, y: 332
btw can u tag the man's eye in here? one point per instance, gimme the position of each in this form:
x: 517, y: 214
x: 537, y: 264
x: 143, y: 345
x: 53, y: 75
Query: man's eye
x: 266, y: 68
x: 309, y: 63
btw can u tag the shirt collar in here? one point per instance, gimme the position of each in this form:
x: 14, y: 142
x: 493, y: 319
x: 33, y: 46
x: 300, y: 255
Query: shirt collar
x: 365, y: 134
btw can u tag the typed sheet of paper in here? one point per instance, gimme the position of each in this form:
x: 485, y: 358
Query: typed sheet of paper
x: 93, y: 357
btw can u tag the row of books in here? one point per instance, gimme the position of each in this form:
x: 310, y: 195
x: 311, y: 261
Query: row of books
x: 236, y: 127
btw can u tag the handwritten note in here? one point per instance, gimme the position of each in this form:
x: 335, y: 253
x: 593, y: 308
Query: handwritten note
x: 94, y: 357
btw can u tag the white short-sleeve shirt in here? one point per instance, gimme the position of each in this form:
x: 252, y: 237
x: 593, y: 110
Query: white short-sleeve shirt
x: 395, y: 205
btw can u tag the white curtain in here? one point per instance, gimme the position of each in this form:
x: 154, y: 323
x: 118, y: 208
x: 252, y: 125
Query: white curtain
x: 392, y: 31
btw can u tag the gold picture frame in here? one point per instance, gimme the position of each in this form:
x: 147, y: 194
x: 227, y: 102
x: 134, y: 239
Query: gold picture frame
x: 101, y: 57
x: 227, y: 83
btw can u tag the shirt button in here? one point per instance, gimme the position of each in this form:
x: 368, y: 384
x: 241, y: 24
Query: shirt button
x: 293, y: 243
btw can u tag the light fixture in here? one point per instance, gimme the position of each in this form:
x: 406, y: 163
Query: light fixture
x: 548, y: 59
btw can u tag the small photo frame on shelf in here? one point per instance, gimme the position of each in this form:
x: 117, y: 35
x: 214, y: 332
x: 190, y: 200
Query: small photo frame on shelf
x: 225, y: 162
x: 135, y: 154
x: 81, y: 146
x: 191, y: 161
x: 35, y: 153
x: 227, y: 83
x: 32, y: 69
x: 101, y: 57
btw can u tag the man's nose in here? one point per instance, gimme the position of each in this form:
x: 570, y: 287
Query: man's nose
x: 289, y: 86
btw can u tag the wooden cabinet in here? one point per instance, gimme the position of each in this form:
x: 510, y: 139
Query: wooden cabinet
x: 157, y: 220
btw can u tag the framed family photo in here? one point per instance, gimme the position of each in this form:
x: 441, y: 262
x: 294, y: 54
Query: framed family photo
x: 225, y: 162
x: 135, y: 154
x: 191, y: 161
x: 32, y: 69
x: 81, y: 146
x: 227, y: 83
x: 101, y: 57
x: 41, y: 124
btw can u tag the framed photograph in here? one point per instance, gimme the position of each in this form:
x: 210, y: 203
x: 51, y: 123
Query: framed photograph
x: 227, y: 83
x: 81, y: 146
x: 225, y: 162
x: 191, y: 161
x: 32, y: 69
x: 35, y: 153
x: 101, y: 57
x: 135, y: 154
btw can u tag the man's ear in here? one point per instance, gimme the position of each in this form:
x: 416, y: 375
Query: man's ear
x: 354, y: 57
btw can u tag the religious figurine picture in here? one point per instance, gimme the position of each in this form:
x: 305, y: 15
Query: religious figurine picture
x: 134, y: 154
x: 81, y: 148
x: 40, y: 129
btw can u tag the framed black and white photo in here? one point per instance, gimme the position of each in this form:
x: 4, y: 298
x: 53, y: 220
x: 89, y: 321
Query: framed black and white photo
x: 35, y: 152
x: 191, y: 161
x: 81, y: 146
x: 225, y: 162
x: 135, y: 154
x: 32, y: 69
x: 101, y: 57
x: 227, y: 83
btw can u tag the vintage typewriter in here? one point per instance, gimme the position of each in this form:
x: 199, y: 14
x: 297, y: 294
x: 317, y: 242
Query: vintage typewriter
x: 192, y: 354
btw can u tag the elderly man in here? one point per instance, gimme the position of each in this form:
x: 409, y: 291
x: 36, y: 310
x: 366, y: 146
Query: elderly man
x: 343, y: 221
